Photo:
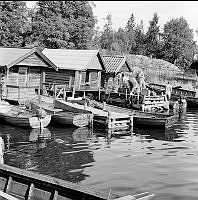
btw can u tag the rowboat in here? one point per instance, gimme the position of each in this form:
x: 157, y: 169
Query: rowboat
x: 18, y: 184
x: 154, y: 119
x: 72, y: 119
x: 24, y: 118
x: 139, y: 117
x: 109, y: 120
x: 60, y: 117
x: 72, y: 107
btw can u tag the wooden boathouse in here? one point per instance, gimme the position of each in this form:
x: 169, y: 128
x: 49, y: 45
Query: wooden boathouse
x: 114, y: 67
x: 22, y: 73
x: 78, y: 70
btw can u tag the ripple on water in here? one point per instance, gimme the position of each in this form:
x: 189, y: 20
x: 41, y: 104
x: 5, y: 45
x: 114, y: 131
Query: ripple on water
x: 163, y: 162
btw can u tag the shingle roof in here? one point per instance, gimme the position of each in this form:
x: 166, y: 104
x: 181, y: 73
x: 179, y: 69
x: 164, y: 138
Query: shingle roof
x: 113, y: 64
x: 73, y: 59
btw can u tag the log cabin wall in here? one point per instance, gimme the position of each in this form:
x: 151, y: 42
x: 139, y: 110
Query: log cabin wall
x: 81, y: 68
x: 88, y: 80
x: 24, y: 78
x: 92, y: 76
x: 60, y: 77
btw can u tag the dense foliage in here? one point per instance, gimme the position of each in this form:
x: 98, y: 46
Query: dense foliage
x: 13, y: 23
x: 179, y: 46
x: 71, y: 24
x: 174, y: 43
x: 63, y: 24
x: 52, y: 24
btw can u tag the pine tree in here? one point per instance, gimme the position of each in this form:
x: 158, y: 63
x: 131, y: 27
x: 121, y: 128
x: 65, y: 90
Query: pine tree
x: 106, y: 38
x: 152, y: 37
x: 139, y: 49
x: 130, y: 34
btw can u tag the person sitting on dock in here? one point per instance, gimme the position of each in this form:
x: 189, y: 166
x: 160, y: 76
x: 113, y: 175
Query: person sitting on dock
x: 168, y: 90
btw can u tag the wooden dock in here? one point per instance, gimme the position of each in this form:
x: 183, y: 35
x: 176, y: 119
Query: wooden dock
x: 108, y: 119
x: 114, y: 121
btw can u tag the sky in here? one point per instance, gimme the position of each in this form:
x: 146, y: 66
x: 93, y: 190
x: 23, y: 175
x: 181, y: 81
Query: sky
x: 144, y: 10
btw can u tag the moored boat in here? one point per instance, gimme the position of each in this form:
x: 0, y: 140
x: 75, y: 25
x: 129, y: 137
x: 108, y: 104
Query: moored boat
x: 5, y: 106
x: 24, y: 118
x: 65, y: 118
x: 140, y: 117
x: 18, y: 184
x: 109, y: 120
x: 72, y: 119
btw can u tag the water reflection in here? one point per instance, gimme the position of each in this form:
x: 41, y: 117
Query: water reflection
x: 160, y: 161
x: 84, y: 134
x: 167, y: 134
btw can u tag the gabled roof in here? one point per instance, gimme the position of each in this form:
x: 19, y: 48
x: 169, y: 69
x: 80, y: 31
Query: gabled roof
x: 113, y: 64
x: 8, y: 55
x: 74, y: 59
x: 13, y: 56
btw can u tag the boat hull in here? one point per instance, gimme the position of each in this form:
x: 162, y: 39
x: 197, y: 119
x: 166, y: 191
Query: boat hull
x: 28, y: 122
x: 65, y: 118
x: 71, y: 107
x: 141, y: 118
x: 72, y: 119
x: 17, y: 184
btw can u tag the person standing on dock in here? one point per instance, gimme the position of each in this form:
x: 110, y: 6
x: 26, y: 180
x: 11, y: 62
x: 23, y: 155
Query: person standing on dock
x: 168, y: 90
x: 125, y: 80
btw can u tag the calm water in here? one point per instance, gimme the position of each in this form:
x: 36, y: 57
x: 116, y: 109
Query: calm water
x: 161, y: 162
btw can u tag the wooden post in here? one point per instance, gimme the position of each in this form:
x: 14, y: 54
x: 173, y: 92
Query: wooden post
x: 1, y: 150
x: 104, y: 105
x: 54, y: 94
x: 42, y: 80
x: 19, y: 94
x: 126, y: 93
x: 30, y: 191
x: 84, y: 95
x: 99, y: 84
x: 85, y: 105
x: 99, y: 93
x: 76, y: 81
x: 64, y: 92
x: 131, y: 122
x: 39, y: 94
x: 41, y: 126
x: 109, y: 120
x: 91, y: 120
x: 73, y: 91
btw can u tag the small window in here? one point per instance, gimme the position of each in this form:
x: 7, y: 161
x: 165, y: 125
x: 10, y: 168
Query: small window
x: 87, y: 77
